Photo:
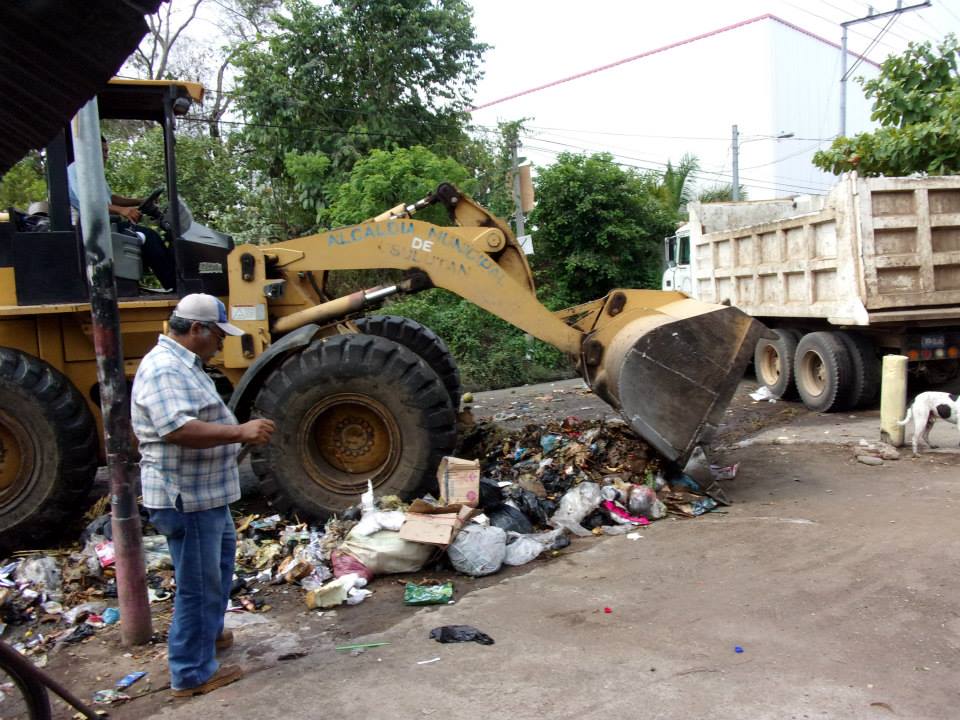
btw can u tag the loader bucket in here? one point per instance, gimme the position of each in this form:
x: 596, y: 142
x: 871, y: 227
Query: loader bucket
x: 669, y: 364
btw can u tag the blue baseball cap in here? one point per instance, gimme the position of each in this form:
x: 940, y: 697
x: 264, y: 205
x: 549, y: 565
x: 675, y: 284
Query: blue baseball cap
x: 201, y: 307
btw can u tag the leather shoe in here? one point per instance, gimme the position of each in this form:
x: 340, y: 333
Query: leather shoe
x: 225, y: 640
x: 224, y: 676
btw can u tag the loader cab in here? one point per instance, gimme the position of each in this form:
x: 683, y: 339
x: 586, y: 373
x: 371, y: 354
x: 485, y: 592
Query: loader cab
x: 676, y: 252
x: 45, y: 253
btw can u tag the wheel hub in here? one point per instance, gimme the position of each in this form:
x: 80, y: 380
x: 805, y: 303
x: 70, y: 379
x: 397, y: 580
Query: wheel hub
x: 348, y: 439
x: 814, y: 373
x: 16, y: 456
x: 770, y: 365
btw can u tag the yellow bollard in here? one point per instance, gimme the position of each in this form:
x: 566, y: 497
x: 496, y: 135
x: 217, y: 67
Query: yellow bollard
x: 893, y: 399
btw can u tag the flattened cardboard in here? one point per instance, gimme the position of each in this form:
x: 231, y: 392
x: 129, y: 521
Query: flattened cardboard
x: 434, y: 528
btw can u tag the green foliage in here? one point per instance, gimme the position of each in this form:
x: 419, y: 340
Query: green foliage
x: 347, y: 76
x: 23, y: 183
x: 720, y: 193
x: 384, y: 179
x: 917, y: 103
x: 599, y: 227
x: 675, y: 189
x: 489, y: 352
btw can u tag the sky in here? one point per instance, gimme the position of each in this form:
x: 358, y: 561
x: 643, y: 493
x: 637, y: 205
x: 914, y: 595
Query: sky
x: 535, y: 42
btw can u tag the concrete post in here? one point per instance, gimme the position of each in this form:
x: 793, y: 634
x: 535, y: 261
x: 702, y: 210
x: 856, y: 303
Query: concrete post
x: 893, y: 399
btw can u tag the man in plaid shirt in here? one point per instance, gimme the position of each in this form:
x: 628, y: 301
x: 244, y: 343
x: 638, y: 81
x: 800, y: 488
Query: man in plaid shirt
x: 189, y: 476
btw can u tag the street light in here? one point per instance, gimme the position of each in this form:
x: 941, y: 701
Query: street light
x: 736, y: 155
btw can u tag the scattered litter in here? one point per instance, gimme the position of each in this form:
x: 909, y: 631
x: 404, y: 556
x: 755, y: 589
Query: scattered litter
x: 607, y: 610
x: 427, y: 662
x: 111, y: 616
x: 361, y: 646
x: 128, y: 680
x: 460, y: 633
x: 109, y: 697
x: 634, y: 536
x: 869, y: 460
x: 414, y: 594
x: 763, y: 393
x: 737, y: 649
x: 478, y: 550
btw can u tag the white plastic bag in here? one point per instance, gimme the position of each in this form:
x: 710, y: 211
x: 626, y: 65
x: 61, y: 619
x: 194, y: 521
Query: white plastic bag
x: 376, y: 521
x: 478, y: 550
x: 521, y: 549
x: 579, y: 502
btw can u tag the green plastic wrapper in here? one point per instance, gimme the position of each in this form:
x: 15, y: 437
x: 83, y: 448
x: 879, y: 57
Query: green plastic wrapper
x: 414, y: 594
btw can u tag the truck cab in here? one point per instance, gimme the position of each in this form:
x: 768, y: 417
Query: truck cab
x: 676, y: 252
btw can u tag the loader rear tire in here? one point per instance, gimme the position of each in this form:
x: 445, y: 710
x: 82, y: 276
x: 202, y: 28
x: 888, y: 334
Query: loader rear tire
x: 423, y: 341
x: 48, y: 448
x: 773, y: 361
x: 348, y: 409
x: 824, y: 372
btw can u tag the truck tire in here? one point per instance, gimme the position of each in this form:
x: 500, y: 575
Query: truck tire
x: 866, y: 369
x: 824, y: 372
x: 348, y: 409
x: 48, y: 448
x: 423, y: 341
x: 773, y: 361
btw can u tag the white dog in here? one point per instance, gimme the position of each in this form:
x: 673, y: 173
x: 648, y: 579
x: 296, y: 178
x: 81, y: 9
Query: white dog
x: 927, y: 408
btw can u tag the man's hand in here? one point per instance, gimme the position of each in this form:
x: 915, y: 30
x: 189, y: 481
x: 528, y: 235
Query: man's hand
x: 130, y: 213
x: 257, y: 432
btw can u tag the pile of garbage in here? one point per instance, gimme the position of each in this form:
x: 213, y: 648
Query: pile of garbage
x: 519, y: 495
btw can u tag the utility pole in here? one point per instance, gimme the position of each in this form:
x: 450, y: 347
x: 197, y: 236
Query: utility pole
x: 843, y: 52
x: 517, y: 200
x: 135, y: 623
x: 736, y: 164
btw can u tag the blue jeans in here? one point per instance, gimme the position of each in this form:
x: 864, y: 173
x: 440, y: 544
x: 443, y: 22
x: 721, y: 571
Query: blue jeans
x: 203, y: 546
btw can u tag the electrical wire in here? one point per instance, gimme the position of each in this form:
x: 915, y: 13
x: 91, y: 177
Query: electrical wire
x: 856, y: 64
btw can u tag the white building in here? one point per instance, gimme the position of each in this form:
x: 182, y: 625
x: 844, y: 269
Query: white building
x: 765, y: 75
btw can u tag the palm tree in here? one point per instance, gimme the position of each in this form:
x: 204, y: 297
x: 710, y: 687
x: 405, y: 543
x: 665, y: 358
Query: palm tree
x: 675, y: 189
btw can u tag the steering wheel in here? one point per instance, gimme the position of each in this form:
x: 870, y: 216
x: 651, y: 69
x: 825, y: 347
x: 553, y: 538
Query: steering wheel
x: 149, y: 205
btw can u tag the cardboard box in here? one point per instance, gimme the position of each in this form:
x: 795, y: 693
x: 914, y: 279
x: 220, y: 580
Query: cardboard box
x: 434, y: 525
x: 459, y: 481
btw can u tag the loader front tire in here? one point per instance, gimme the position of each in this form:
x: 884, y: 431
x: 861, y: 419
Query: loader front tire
x: 773, y: 362
x: 423, y: 341
x: 48, y: 448
x: 824, y: 372
x: 349, y: 409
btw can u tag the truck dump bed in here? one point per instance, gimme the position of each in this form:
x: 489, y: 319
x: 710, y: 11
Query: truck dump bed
x: 873, y: 251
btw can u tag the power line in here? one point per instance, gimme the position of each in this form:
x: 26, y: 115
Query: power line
x: 890, y: 22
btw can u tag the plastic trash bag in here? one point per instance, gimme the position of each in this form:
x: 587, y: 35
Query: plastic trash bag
x: 344, y: 564
x: 509, y: 518
x: 478, y: 550
x: 376, y: 521
x: 42, y: 574
x: 579, y: 502
x: 521, y: 549
x: 460, y: 633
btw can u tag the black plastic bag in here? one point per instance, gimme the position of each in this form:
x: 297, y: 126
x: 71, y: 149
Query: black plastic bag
x: 490, y: 494
x: 460, y: 633
x: 509, y: 518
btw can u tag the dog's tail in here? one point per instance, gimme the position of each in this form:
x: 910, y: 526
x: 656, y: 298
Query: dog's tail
x: 907, y: 418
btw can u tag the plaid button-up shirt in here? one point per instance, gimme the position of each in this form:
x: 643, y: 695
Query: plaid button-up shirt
x: 171, y: 389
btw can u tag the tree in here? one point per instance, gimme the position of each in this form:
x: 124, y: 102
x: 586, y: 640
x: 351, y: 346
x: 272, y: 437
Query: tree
x: 598, y: 226
x: 675, y: 188
x: 722, y: 192
x: 350, y: 76
x: 917, y: 103
x: 23, y: 183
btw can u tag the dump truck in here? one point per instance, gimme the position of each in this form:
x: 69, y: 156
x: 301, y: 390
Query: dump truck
x: 356, y: 397
x: 871, y: 268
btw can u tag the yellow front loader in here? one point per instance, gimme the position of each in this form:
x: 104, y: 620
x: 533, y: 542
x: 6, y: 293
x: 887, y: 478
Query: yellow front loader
x: 355, y: 397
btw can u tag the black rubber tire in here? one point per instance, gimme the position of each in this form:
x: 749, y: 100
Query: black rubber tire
x: 773, y: 363
x: 386, y: 397
x: 423, y: 341
x: 866, y: 369
x: 55, y: 434
x: 824, y: 372
x: 31, y: 693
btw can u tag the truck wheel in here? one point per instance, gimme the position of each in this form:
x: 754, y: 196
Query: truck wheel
x: 48, y: 448
x: 824, y: 372
x: 423, y: 341
x: 866, y: 369
x: 349, y: 409
x: 773, y: 362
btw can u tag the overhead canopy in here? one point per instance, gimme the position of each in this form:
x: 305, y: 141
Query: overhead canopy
x: 54, y: 57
